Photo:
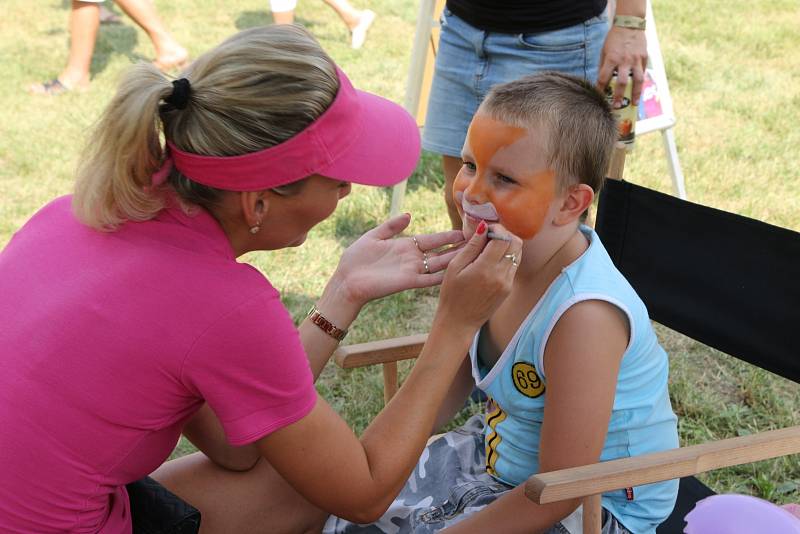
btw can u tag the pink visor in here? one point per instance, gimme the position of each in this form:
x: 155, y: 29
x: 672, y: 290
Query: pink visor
x: 360, y: 138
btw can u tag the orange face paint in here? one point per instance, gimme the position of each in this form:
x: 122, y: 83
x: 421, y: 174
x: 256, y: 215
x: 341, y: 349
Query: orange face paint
x: 496, y: 150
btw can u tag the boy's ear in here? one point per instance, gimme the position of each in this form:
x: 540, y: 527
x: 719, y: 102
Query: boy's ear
x: 255, y: 205
x: 576, y: 200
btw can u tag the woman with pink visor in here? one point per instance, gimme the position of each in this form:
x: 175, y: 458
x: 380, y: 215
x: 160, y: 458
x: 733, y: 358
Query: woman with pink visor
x: 126, y: 320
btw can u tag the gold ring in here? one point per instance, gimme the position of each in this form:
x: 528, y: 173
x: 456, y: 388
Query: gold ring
x: 425, y: 263
x: 512, y: 257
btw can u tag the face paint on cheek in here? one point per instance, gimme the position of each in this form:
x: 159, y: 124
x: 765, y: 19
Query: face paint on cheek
x: 523, y: 212
x: 485, y: 138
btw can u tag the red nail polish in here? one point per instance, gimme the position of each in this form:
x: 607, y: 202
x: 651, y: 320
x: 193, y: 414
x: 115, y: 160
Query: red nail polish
x: 481, y: 228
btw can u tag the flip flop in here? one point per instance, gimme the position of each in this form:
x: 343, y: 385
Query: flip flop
x: 53, y: 87
x: 359, y: 33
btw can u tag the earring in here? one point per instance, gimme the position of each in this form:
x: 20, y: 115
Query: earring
x: 254, y: 230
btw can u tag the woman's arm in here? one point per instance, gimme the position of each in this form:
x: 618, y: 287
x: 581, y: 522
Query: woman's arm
x: 205, y: 432
x: 457, y: 395
x: 374, y: 266
x: 582, y: 361
x: 357, y: 479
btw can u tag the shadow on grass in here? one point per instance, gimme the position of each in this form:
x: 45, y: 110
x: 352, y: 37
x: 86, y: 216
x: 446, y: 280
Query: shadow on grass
x: 117, y: 39
x: 111, y: 39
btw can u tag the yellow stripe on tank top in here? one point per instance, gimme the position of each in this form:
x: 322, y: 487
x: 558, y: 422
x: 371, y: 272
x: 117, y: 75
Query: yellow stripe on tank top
x: 493, y: 418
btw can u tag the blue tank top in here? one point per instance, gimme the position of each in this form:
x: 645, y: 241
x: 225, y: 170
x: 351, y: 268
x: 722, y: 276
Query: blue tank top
x: 642, y: 420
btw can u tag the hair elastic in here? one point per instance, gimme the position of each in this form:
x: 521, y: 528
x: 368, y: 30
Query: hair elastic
x: 181, y: 90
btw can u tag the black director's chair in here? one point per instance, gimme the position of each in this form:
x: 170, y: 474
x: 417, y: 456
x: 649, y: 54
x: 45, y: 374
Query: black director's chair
x: 722, y: 279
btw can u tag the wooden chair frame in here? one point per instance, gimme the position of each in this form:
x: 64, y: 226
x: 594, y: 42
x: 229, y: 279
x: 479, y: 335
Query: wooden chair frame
x: 589, y: 482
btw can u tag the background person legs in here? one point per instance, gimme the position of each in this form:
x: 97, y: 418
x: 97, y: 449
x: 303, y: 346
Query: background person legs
x: 169, y: 54
x: 357, y: 21
x: 84, y: 23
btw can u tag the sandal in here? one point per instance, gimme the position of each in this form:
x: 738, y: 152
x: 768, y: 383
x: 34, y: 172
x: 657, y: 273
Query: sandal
x: 359, y: 33
x: 52, y: 88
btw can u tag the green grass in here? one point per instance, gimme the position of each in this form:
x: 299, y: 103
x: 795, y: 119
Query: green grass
x: 734, y: 75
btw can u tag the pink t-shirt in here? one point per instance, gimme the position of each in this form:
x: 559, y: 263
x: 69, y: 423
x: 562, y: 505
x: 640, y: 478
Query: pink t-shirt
x: 110, y: 341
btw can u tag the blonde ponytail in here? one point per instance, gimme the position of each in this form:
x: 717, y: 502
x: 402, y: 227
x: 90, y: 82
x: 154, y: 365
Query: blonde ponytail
x: 122, y: 153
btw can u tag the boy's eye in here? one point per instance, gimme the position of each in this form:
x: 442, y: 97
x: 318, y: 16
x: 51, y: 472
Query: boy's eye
x: 469, y: 165
x: 506, y: 179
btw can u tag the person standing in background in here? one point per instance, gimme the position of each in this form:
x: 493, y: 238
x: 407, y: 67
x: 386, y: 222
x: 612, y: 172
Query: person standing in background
x: 84, y: 23
x: 487, y: 42
x: 357, y: 21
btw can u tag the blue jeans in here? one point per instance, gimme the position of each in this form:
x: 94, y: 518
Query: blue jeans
x: 470, y: 61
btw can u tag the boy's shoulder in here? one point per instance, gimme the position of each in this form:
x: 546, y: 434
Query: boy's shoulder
x: 594, y: 270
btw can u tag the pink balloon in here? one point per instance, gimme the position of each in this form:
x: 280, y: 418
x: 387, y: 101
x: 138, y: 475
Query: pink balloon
x: 739, y: 514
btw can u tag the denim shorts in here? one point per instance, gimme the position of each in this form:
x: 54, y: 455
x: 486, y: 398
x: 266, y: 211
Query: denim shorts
x: 470, y: 61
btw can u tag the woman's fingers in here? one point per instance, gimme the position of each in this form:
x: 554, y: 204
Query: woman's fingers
x: 495, y: 248
x: 391, y: 227
x: 501, y: 257
x: 440, y: 261
x: 471, y: 250
x: 428, y: 242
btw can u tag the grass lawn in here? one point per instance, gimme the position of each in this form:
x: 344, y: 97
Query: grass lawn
x: 734, y: 75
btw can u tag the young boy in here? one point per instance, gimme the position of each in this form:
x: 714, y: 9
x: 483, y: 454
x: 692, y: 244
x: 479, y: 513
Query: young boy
x: 570, y: 363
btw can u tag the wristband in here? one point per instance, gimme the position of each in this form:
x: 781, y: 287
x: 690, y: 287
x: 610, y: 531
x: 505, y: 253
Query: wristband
x: 628, y: 21
x: 325, y: 325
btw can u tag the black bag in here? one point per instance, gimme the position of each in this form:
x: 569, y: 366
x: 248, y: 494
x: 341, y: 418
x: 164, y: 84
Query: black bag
x: 156, y: 510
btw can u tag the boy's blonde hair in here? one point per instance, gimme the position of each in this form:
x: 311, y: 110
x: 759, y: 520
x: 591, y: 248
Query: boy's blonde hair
x: 580, y: 130
x: 255, y: 90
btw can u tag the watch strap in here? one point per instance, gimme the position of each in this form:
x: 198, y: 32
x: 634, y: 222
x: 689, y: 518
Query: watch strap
x: 325, y: 325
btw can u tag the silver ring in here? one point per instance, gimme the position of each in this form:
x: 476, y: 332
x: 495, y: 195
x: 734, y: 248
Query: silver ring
x: 414, y: 239
x: 425, y: 263
x: 512, y: 257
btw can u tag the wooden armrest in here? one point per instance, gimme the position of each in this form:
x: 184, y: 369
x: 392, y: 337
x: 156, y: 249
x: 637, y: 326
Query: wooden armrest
x: 598, y: 478
x: 383, y: 351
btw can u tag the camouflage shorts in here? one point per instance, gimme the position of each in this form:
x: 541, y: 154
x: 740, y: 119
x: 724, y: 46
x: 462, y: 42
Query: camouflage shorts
x: 448, y: 485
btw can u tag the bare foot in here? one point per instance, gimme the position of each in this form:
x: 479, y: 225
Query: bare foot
x: 176, y: 58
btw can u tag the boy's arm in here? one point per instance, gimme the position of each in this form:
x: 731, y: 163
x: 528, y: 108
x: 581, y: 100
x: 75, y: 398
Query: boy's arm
x: 582, y: 361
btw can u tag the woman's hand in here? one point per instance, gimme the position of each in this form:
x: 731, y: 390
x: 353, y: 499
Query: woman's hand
x: 479, y: 278
x: 625, y: 50
x: 379, y: 264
